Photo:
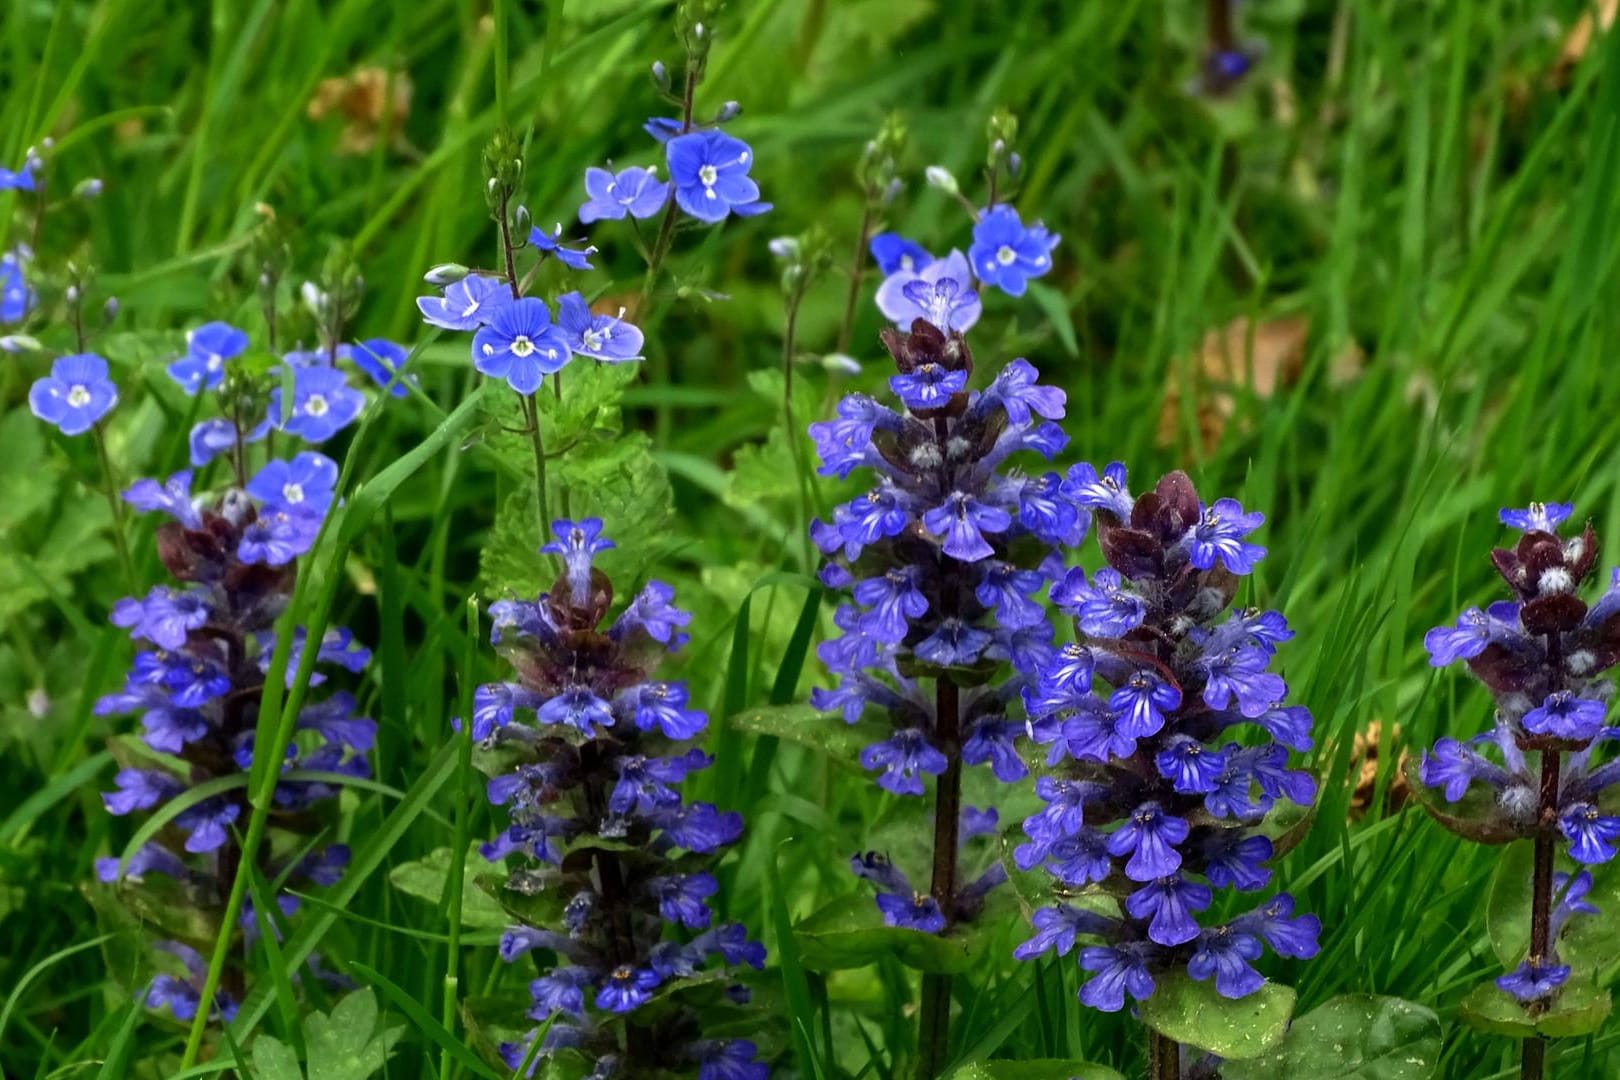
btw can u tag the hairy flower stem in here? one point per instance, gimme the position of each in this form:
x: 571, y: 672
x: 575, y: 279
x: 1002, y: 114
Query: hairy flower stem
x: 109, y: 487
x: 531, y: 411
x: 1164, y: 1057
x: 857, y: 270
x: 934, y: 1021
x: 791, y: 431
x: 1534, y: 1052
x: 1218, y: 25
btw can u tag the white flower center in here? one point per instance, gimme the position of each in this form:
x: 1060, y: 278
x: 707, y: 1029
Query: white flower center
x: 215, y: 361
x: 522, y: 346
x: 708, y: 174
x: 1005, y: 255
x: 316, y: 405
x: 78, y: 396
x: 293, y: 492
x: 471, y: 307
x: 595, y: 339
x: 906, y: 263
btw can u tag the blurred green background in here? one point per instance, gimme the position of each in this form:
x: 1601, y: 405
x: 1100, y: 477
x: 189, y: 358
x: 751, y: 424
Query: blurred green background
x: 1372, y: 293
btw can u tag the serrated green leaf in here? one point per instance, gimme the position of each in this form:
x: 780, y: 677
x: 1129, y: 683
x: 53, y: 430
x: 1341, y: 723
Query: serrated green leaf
x: 1354, y: 1037
x: 850, y: 933
x: 1579, y: 1009
x: 425, y: 879
x: 1193, y: 1012
x: 809, y: 726
x: 1589, y: 943
x: 274, y: 1060
x: 1045, y: 1069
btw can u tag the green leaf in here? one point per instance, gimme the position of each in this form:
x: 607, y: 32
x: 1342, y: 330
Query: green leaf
x: 424, y: 1023
x: 1035, y: 1070
x: 850, y: 933
x: 1193, y: 1012
x: 425, y: 879
x: 1590, y: 943
x: 1354, y: 1037
x: 809, y: 726
x: 274, y: 1060
x: 1579, y: 1009
x: 1056, y: 309
x: 348, y: 1045
x: 1473, y: 817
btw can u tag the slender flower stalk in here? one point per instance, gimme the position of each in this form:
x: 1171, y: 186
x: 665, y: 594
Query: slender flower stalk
x: 1545, y: 656
x: 613, y: 858
x: 1151, y: 806
x: 941, y: 557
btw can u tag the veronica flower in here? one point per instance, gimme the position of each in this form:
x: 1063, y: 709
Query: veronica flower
x: 893, y: 252
x: 1128, y: 711
x: 607, y: 338
x: 75, y: 395
x: 709, y: 170
x: 465, y: 304
x: 323, y: 404
x: 521, y: 345
x: 16, y: 297
x: 1005, y: 253
x: 634, y: 192
x: 949, y: 559
x: 1544, y: 655
x: 594, y: 796
x: 383, y: 362
x: 550, y: 243
x: 207, y: 349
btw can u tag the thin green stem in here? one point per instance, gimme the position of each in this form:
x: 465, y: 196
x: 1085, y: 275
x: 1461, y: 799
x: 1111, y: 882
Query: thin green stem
x: 458, y: 850
x: 790, y: 427
x: 109, y: 487
x: 857, y: 270
x: 531, y: 413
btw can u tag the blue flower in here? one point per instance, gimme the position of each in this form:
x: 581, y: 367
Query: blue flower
x: 1149, y: 836
x: 626, y: 988
x: 277, y: 537
x: 1225, y: 954
x: 578, y: 708
x: 731, y: 1059
x: 577, y: 543
x: 466, y: 304
x: 1141, y: 703
x: 607, y: 338
x: 303, y: 485
x: 919, y: 911
x: 652, y: 613
x: 1018, y: 391
x: 1219, y: 536
x: 1117, y: 969
x: 173, y: 497
x: 710, y: 172
x: 164, y: 618
x: 550, y: 243
x: 215, y: 436
x: 1286, y: 933
x: 1237, y: 863
x: 560, y: 990
x: 1191, y: 767
x: 929, y: 386
x: 1591, y: 833
x: 958, y: 308
x: 323, y: 404
x: 182, y: 995
x: 207, y: 349
x: 1538, y: 517
x: 1007, y: 589
x: 1453, y: 766
x: 1241, y: 675
x: 1106, y: 491
x: 954, y: 643
x: 383, y: 361
x: 995, y: 742
x: 683, y: 898
x: 207, y: 824
x: 1103, y: 607
x: 75, y: 395
x: 1169, y: 902
x: 140, y: 789
x: 22, y: 179
x: 945, y: 303
x: 962, y: 521
x: 1562, y: 715
x: 894, y: 601
x: 663, y: 128
x: 634, y: 191
x: 663, y: 706
x: 520, y: 344
x: 1534, y: 982
x: 903, y: 759
x: 16, y: 298
x: 1056, y: 929
x: 1006, y: 254
x: 894, y: 252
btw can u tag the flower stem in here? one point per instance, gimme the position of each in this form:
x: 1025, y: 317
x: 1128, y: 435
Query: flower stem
x: 531, y: 413
x: 790, y: 429
x: 1164, y: 1057
x: 109, y: 487
x: 857, y: 269
x: 934, y: 1020
x: 1534, y: 1052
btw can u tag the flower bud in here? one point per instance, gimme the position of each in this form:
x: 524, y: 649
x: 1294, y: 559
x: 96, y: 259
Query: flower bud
x: 87, y: 189
x: 72, y: 294
x: 1015, y: 163
x: 784, y: 247
x: 660, y: 76
x: 942, y: 178
x: 109, y: 310
x: 12, y: 343
x: 314, y: 298
x: 729, y: 111
x: 892, y: 192
x: 840, y: 364
x: 522, y: 221
x: 39, y: 703
x: 445, y: 274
